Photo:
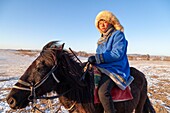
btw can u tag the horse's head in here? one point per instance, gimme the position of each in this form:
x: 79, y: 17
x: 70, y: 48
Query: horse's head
x: 37, y: 78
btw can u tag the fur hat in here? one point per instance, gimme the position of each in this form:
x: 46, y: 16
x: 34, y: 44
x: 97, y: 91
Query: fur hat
x: 109, y: 17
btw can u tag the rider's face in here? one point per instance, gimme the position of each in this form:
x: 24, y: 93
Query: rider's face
x: 103, y: 25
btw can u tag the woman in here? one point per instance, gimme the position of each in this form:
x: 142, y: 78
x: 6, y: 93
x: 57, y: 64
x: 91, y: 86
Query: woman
x: 110, y: 58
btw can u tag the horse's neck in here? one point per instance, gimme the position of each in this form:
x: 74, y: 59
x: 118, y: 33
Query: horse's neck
x: 82, y: 95
x: 72, y: 66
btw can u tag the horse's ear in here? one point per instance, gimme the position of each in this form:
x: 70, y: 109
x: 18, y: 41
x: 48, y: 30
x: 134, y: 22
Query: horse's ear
x: 62, y: 46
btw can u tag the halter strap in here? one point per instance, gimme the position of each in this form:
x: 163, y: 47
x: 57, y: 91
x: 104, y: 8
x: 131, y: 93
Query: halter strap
x: 71, y: 107
x: 39, y: 83
x: 44, y: 79
x: 24, y: 83
x: 21, y: 88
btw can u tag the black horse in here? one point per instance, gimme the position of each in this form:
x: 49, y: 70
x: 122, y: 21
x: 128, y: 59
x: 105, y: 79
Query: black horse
x: 56, y: 69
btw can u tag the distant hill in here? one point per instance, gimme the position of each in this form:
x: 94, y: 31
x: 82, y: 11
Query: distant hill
x: 28, y: 52
x: 85, y: 54
x: 148, y: 57
x: 133, y: 56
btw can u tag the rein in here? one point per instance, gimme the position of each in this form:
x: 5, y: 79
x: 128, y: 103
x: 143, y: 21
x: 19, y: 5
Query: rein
x: 31, y: 87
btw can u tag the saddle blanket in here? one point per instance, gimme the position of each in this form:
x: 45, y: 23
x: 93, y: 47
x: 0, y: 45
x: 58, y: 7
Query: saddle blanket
x: 117, y: 95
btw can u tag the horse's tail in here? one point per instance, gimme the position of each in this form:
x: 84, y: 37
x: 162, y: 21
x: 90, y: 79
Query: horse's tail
x: 148, y: 108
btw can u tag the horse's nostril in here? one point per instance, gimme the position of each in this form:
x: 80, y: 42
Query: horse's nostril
x: 12, y: 102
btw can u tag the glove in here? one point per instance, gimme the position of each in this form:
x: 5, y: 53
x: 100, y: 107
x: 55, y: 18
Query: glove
x: 92, y: 59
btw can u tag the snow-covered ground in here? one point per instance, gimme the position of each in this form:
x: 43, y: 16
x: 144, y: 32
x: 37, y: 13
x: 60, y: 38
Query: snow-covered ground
x: 13, y: 64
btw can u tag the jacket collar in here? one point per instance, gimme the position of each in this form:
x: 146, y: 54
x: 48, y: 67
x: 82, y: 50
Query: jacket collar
x: 105, y: 36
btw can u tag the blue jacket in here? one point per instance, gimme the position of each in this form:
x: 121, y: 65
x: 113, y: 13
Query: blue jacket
x: 112, y: 59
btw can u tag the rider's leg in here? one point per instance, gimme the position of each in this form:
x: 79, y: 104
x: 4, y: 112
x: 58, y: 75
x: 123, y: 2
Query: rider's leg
x: 105, y: 87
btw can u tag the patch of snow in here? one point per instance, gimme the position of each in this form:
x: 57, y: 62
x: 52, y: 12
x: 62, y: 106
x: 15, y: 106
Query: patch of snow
x: 13, y: 65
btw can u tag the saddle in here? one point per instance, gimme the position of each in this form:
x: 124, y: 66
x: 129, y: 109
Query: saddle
x: 117, y: 93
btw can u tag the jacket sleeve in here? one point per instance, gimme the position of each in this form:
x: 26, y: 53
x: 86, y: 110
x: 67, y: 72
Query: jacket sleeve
x: 118, y: 50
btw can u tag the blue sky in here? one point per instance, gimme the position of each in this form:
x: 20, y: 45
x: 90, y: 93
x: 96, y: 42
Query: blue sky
x: 30, y: 24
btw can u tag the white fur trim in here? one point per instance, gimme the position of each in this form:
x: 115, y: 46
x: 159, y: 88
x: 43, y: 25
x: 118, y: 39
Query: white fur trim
x: 109, y: 17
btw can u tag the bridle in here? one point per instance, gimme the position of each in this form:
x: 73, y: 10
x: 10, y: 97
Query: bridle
x: 31, y: 87
x: 26, y: 86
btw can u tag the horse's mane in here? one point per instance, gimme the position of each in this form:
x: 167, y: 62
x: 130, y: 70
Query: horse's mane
x: 81, y: 89
x: 53, y: 48
x: 81, y: 93
x: 72, y: 64
x: 71, y: 71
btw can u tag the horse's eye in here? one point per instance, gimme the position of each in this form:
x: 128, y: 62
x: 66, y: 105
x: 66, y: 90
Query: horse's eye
x: 43, y: 62
x: 41, y: 66
x: 38, y: 69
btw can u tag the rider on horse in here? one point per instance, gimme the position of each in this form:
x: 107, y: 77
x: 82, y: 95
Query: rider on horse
x: 110, y: 58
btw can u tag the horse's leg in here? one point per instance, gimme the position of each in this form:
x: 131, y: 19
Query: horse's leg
x: 139, y: 108
x: 99, y: 108
x: 80, y: 108
x: 143, y: 97
x: 148, y: 108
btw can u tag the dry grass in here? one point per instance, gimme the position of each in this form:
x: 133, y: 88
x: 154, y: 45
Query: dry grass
x: 27, y: 52
x: 158, y: 92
